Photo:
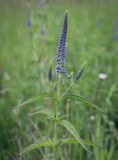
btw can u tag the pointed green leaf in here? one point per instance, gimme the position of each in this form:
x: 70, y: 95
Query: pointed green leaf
x: 45, y: 112
x: 73, y: 131
x: 44, y: 143
x: 35, y: 98
x: 83, y: 100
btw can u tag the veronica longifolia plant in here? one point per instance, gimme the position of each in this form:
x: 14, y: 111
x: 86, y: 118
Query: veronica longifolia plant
x: 58, y: 97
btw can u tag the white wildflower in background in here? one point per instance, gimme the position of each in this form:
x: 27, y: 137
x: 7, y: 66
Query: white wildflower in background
x: 103, y: 76
x: 92, y: 118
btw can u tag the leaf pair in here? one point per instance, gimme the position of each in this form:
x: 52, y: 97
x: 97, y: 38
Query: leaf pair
x: 49, y: 114
x: 50, y: 96
x: 50, y: 143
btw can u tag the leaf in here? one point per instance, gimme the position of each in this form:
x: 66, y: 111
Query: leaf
x: 84, y: 100
x: 69, y: 141
x: 44, y: 143
x: 45, y: 112
x: 35, y: 98
x: 73, y: 141
x: 73, y: 131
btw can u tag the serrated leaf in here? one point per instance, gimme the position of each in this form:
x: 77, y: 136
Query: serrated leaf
x: 83, y: 100
x: 35, y: 98
x: 73, y: 141
x: 44, y: 143
x: 45, y: 112
x: 69, y: 141
x: 73, y: 131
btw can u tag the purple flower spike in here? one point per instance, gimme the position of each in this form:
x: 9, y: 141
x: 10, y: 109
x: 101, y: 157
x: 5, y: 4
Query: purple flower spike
x: 61, y: 51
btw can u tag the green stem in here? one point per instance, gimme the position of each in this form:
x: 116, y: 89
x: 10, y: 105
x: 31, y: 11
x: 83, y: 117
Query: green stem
x: 56, y: 139
x: 56, y: 123
x: 58, y: 89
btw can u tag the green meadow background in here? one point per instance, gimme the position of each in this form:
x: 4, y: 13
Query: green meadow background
x: 26, y: 51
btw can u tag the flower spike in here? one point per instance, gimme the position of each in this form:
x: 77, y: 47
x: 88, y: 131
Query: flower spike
x: 61, y: 51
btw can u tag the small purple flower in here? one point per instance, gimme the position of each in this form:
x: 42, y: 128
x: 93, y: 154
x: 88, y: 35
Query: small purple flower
x: 61, y: 51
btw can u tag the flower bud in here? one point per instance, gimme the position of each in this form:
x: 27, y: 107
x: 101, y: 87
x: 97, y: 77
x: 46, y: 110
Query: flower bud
x: 50, y: 74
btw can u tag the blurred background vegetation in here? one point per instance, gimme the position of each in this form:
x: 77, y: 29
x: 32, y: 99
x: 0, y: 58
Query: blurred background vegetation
x: 29, y: 35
